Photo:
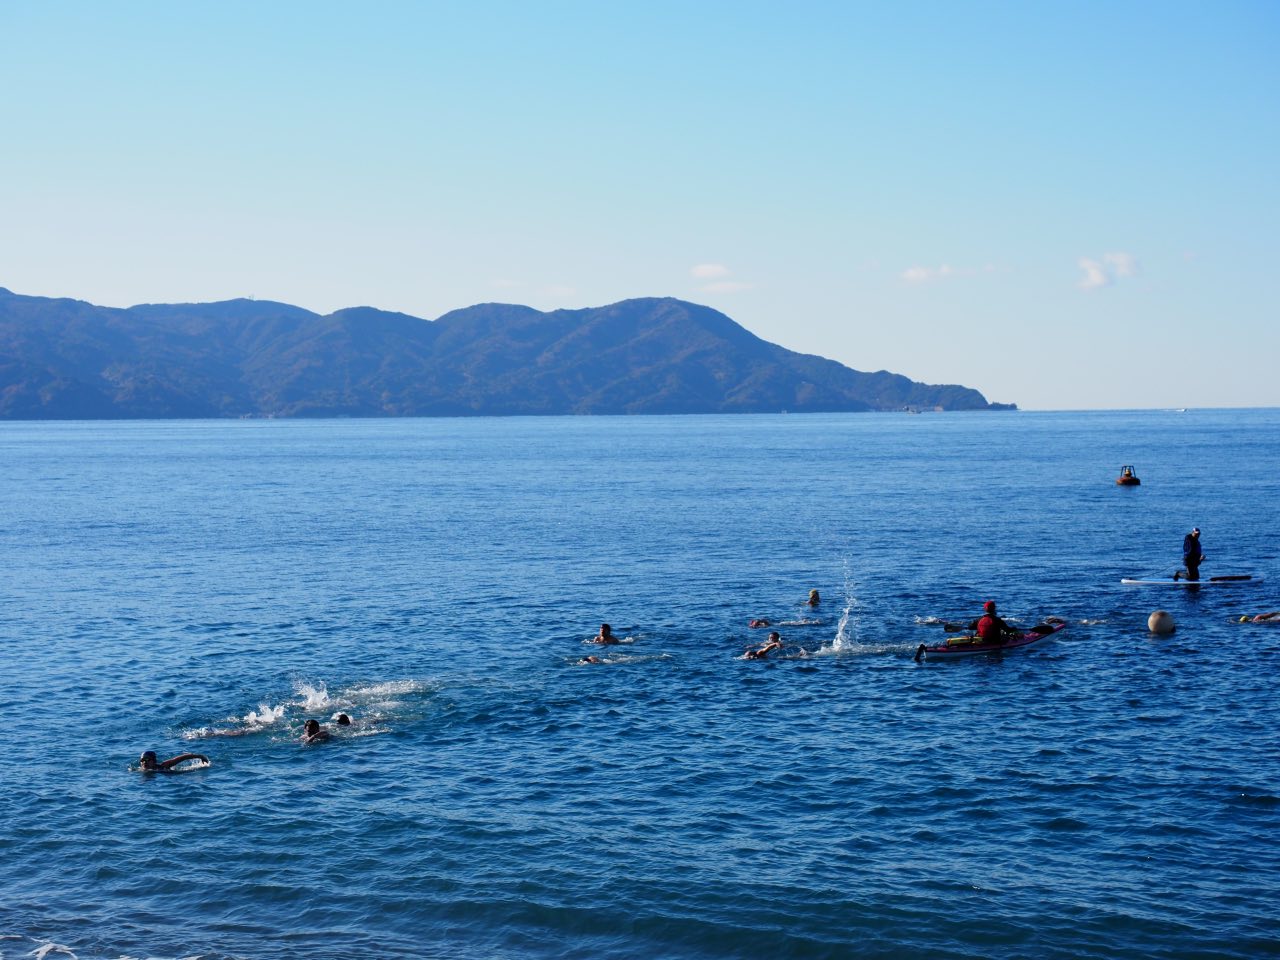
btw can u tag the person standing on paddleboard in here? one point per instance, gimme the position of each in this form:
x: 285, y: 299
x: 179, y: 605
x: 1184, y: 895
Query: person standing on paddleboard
x: 1191, y: 554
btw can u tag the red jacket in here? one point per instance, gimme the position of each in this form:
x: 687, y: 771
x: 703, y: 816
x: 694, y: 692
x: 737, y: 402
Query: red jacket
x: 991, y: 627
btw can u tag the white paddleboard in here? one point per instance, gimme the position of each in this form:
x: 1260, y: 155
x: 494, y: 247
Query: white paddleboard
x: 1202, y: 582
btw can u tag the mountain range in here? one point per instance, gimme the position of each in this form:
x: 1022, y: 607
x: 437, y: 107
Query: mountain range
x: 68, y: 359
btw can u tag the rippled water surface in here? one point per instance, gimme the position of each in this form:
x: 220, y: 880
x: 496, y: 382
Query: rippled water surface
x: 210, y: 586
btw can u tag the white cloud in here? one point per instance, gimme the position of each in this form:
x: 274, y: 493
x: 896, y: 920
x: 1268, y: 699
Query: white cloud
x: 1124, y: 264
x: 919, y: 274
x: 1106, y: 270
x: 718, y: 275
x: 1095, y: 274
x: 726, y: 286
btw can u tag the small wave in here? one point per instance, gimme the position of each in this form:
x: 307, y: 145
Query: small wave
x: 856, y: 649
x: 48, y: 948
x: 389, y: 688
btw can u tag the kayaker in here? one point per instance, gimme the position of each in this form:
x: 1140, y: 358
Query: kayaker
x: 1191, y: 554
x: 990, y: 627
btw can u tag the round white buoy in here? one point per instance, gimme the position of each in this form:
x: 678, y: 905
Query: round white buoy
x: 1160, y: 622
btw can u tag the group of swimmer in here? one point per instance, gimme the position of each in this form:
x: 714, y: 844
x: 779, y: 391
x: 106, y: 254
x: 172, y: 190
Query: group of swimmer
x: 313, y: 731
x: 606, y: 636
x: 774, y: 640
x: 990, y: 628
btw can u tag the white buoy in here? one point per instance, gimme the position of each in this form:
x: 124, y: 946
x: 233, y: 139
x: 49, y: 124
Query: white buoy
x: 1160, y: 622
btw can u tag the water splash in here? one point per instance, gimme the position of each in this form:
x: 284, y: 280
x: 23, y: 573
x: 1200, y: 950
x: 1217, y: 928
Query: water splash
x: 313, y: 697
x: 264, y: 716
x: 850, y: 618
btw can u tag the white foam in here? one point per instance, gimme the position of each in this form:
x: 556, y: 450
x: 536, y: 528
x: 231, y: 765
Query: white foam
x: 313, y: 698
x: 264, y: 716
x: 44, y: 950
x: 390, y: 688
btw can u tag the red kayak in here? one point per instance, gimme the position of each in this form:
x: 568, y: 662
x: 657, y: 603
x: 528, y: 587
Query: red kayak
x: 969, y: 645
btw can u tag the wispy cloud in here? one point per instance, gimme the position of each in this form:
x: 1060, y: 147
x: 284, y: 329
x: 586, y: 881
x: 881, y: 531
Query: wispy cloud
x: 921, y: 274
x: 717, y: 275
x: 1122, y: 264
x: 1105, y: 270
x: 726, y: 286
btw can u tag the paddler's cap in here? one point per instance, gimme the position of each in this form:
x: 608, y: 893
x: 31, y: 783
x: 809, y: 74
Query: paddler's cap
x: 989, y: 606
x: 1195, y: 531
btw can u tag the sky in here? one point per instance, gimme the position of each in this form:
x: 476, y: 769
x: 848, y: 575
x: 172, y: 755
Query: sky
x: 1066, y: 205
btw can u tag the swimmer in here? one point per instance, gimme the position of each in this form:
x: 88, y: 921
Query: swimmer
x: 343, y: 720
x: 760, y: 622
x: 591, y: 659
x: 814, y: 599
x: 759, y: 653
x: 312, y: 732
x: 605, y: 635
x: 148, y: 764
x: 1272, y: 617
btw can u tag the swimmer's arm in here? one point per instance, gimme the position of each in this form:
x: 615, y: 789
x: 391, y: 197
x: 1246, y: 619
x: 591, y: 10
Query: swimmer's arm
x: 174, y: 761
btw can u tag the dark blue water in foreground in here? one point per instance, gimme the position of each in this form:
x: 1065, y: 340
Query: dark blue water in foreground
x: 209, y: 586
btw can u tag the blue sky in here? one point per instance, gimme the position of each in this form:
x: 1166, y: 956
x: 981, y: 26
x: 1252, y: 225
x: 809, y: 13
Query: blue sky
x: 1064, y: 205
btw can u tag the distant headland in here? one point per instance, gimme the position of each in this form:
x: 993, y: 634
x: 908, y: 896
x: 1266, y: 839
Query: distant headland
x: 66, y: 359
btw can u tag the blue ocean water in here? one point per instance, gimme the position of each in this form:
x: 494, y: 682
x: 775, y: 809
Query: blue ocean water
x: 209, y: 586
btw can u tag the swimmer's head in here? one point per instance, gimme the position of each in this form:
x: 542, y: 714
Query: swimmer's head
x: 775, y: 635
x: 311, y: 727
x: 813, y: 593
x: 148, y: 760
x: 344, y: 720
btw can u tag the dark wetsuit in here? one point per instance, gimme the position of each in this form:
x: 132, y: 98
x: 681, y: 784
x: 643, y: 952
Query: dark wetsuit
x: 1191, y: 555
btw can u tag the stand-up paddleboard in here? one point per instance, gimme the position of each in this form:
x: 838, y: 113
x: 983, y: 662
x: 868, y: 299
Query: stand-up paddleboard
x: 968, y: 645
x: 1202, y: 581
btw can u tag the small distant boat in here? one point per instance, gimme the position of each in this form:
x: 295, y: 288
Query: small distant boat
x: 1127, y: 477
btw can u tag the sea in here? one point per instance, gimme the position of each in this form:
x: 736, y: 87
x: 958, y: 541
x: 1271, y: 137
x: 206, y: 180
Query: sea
x: 209, y: 586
